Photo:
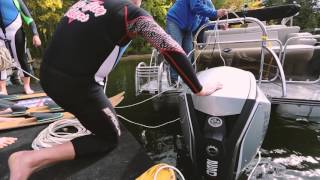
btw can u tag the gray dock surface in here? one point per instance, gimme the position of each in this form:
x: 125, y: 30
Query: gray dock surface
x: 126, y: 162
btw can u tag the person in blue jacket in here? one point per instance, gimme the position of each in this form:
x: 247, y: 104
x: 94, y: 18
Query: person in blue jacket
x: 185, y: 17
x: 12, y: 13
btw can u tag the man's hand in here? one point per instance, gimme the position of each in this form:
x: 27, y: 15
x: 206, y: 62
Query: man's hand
x: 209, y: 88
x: 222, y: 12
x: 36, y: 41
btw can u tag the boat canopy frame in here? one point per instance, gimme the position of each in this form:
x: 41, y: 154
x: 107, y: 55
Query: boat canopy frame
x: 264, y: 39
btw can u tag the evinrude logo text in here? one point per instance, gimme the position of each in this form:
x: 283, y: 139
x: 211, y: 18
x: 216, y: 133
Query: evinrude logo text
x: 212, y: 167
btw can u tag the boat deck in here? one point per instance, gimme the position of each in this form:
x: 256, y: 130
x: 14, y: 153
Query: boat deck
x: 298, y: 94
x: 126, y: 162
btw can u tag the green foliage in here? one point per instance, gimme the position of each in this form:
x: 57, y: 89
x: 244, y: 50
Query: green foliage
x: 46, y: 14
x: 238, y: 5
x: 158, y: 10
x: 307, y: 19
x: 218, y: 3
x: 274, y: 2
x: 307, y: 12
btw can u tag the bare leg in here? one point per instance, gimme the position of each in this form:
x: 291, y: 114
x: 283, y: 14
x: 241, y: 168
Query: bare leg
x: 6, y: 141
x: 23, y: 163
x: 3, y: 87
x: 26, y: 85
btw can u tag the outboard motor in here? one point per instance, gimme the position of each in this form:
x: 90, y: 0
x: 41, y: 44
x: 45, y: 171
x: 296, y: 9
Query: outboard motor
x: 224, y: 131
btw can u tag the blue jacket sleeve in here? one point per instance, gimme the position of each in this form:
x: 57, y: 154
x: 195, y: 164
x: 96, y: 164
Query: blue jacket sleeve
x: 203, y: 8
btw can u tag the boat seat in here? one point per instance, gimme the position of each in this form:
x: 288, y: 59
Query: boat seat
x: 274, y: 31
x: 301, y: 49
x: 294, y: 52
x: 297, y: 49
x: 301, y: 40
x: 283, y: 31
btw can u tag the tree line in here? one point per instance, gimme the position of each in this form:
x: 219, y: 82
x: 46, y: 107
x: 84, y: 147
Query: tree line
x: 47, y: 14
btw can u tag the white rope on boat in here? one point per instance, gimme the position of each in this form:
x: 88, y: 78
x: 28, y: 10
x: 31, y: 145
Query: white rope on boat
x: 54, y: 134
x: 259, y: 160
x: 141, y: 102
x: 147, y: 126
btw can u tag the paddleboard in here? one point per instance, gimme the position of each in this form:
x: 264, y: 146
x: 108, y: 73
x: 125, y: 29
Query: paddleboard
x: 11, y: 123
x: 15, y: 97
x: 17, y: 110
x: 32, y: 119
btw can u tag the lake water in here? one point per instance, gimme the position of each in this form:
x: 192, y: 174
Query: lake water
x: 291, y: 150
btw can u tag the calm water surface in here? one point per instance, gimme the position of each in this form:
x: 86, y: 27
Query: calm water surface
x: 291, y: 150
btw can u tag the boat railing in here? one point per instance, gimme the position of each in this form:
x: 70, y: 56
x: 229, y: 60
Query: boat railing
x: 240, y: 41
x: 264, y: 47
x: 202, y: 47
x: 150, y: 78
x: 155, y: 58
x: 283, y: 81
x: 285, y: 21
x: 284, y: 52
x: 144, y: 75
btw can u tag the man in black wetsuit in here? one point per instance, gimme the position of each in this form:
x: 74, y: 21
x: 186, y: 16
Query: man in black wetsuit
x: 86, y: 46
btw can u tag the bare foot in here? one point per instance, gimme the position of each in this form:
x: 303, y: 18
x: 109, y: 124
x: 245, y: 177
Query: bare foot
x: 28, y: 90
x: 6, y: 111
x: 6, y: 141
x: 20, y: 165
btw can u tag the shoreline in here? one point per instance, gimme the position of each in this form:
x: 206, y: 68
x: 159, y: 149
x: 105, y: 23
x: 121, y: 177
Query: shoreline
x: 36, y: 62
x: 136, y: 57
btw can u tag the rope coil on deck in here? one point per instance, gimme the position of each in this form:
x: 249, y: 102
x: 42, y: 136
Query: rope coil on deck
x: 54, y: 134
x: 5, y: 59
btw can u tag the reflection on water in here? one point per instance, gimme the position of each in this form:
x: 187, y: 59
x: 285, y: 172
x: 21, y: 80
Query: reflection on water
x: 291, y: 150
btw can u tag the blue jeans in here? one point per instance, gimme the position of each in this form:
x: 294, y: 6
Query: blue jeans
x: 184, y: 38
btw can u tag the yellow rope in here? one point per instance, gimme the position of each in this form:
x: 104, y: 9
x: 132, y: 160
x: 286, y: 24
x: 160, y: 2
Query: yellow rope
x: 5, y: 59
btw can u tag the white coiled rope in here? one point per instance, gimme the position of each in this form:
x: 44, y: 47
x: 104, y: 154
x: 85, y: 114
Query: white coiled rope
x: 54, y: 134
x: 168, y: 167
x: 5, y: 58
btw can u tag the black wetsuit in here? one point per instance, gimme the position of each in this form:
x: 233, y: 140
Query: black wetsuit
x: 86, y: 46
